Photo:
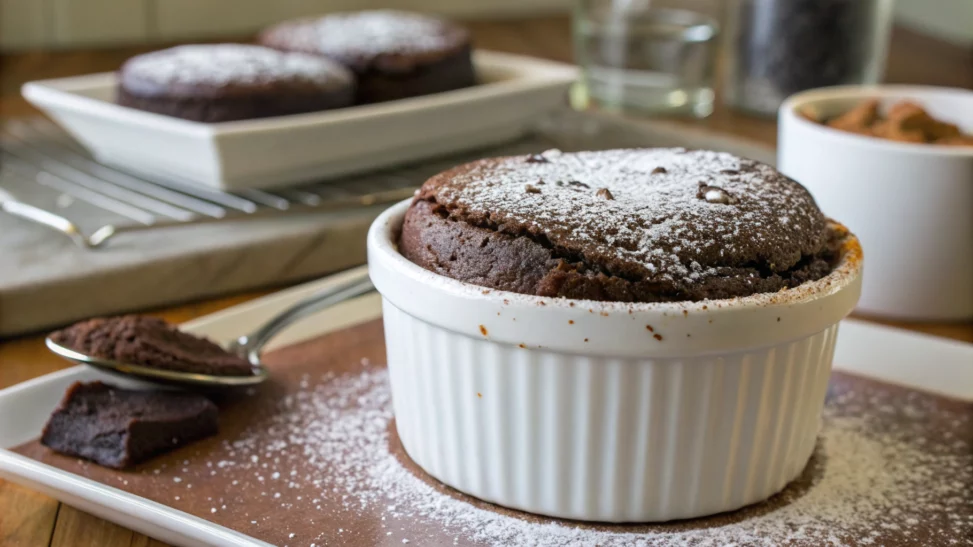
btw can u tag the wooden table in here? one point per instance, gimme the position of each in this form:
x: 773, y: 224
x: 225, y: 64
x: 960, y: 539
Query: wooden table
x: 31, y: 519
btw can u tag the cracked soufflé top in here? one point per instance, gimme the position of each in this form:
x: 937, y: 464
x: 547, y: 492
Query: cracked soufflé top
x: 633, y: 225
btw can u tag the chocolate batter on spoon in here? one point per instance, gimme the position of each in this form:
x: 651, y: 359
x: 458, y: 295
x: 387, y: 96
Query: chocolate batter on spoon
x: 150, y: 342
x: 150, y: 349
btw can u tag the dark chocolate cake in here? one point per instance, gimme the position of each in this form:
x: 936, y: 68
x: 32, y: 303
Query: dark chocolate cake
x: 638, y: 225
x: 225, y: 82
x: 118, y: 428
x: 394, y: 54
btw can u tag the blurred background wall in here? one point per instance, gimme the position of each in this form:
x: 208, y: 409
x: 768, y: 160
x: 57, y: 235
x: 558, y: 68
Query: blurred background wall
x: 88, y: 23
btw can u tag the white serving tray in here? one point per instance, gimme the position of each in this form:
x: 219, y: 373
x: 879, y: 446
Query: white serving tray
x: 918, y: 361
x: 284, y: 150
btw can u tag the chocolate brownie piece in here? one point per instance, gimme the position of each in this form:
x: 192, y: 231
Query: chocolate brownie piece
x: 150, y: 342
x: 394, y: 54
x: 118, y: 428
x: 640, y: 225
x: 225, y: 82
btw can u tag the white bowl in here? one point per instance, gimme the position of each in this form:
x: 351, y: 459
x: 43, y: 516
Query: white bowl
x: 606, y: 411
x: 280, y: 151
x: 910, y: 204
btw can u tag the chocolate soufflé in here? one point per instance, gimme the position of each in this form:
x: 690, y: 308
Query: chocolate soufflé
x: 634, y: 225
x: 150, y: 342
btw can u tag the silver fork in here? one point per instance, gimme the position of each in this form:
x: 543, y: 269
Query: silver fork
x: 11, y: 205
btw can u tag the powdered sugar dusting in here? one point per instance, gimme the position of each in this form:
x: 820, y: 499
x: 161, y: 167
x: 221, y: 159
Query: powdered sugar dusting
x: 223, y: 64
x: 673, y: 213
x: 369, y: 33
x: 877, y: 477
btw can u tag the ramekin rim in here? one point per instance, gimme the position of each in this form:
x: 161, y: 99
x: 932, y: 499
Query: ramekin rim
x: 842, y: 276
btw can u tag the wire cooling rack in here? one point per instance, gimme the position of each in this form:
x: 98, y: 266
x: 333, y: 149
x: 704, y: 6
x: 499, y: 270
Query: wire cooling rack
x: 44, y: 172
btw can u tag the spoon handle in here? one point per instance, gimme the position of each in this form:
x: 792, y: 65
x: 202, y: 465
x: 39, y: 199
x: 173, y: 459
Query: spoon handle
x: 250, y: 346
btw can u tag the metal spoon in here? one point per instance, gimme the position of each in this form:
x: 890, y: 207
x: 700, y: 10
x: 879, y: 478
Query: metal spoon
x: 248, y: 347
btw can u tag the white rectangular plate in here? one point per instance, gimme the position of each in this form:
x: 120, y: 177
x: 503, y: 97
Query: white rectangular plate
x: 913, y: 360
x: 284, y: 150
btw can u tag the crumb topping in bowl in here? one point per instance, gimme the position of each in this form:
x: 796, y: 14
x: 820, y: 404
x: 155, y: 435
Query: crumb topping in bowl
x: 904, y: 121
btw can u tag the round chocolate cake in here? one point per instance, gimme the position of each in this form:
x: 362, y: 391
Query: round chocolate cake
x: 638, y: 225
x: 394, y: 54
x: 224, y: 82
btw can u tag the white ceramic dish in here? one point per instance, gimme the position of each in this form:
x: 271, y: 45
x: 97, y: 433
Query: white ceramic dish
x: 917, y: 361
x: 606, y: 411
x: 280, y: 151
x: 910, y: 204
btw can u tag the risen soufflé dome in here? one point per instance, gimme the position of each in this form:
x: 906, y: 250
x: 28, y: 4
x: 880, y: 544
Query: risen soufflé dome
x: 633, y: 225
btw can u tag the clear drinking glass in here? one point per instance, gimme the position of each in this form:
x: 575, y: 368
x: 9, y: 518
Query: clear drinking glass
x: 779, y: 47
x: 646, y: 56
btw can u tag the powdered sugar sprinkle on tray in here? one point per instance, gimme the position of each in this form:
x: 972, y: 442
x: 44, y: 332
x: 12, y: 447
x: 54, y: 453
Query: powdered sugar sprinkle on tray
x: 874, y: 479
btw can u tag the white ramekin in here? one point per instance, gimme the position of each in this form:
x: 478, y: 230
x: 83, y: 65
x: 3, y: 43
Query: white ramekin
x: 910, y: 204
x: 606, y: 411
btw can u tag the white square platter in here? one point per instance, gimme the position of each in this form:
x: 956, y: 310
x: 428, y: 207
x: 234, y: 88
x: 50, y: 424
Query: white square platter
x: 514, y: 91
